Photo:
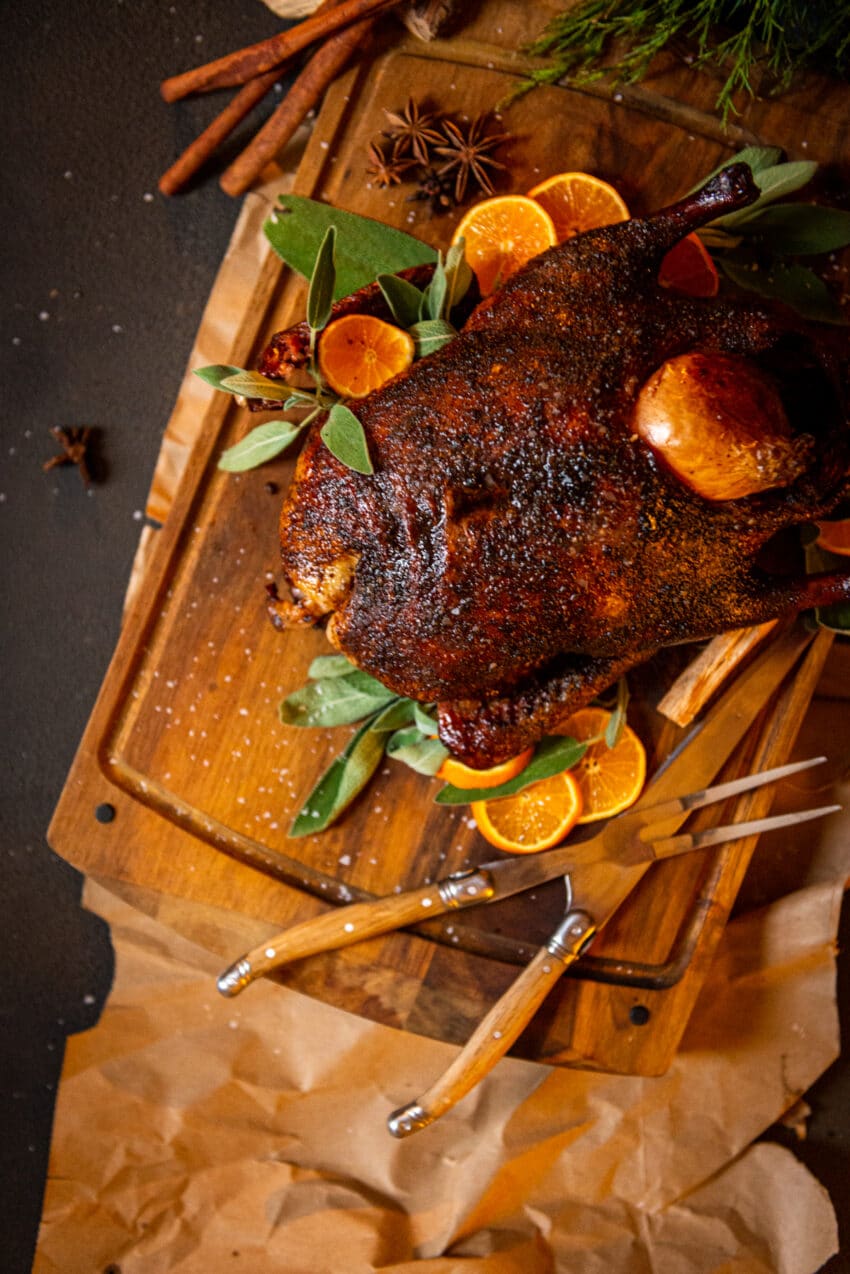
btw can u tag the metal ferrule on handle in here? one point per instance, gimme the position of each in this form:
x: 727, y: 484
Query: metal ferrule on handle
x: 573, y: 934
x: 500, y: 1028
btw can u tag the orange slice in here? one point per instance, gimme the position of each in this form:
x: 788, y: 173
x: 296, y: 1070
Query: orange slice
x: 610, y: 779
x: 359, y: 353
x: 835, y: 537
x: 536, y: 818
x: 453, y: 771
x: 501, y: 234
x: 688, y: 268
x: 577, y: 202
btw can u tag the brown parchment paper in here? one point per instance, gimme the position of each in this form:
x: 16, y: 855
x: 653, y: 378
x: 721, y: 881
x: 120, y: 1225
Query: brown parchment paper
x: 195, y: 1134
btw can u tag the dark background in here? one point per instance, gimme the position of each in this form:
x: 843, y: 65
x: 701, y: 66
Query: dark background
x: 104, y: 282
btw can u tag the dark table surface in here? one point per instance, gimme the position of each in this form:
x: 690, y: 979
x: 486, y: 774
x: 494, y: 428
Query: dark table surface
x: 105, y: 281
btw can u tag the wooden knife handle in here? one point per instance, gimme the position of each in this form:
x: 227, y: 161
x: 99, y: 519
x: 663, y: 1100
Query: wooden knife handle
x: 346, y: 925
x: 500, y: 1028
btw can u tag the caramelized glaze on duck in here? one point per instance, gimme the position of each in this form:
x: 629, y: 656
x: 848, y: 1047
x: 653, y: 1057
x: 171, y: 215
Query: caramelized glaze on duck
x: 525, y: 538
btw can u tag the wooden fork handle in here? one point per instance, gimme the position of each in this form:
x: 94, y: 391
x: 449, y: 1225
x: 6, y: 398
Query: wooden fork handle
x: 344, y: 926
x: 500, y: 1028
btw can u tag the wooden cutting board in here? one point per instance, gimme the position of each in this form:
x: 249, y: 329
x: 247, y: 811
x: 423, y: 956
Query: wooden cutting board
x: 184, y: 745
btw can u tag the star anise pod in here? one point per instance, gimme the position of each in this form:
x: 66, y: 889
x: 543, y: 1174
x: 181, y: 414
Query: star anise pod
x: 436, y: 190
x: 467, y: 152
x: 74, y: 441
x: 387, y: 169
x: 414, y: 131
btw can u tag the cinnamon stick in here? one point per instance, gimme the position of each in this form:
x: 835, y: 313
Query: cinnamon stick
x: 305, y: 93
x: 204, y: 146
x: 256, y: 59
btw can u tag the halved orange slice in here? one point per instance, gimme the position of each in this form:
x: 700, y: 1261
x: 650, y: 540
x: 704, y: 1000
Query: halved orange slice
x: 578, y: 202
x: 688, y: 268
x: 610, y: 779
x: 460, y: 775
x: 536, y: 818
x: 835, y: 536
x: 501, y: 234
x: 359, y: 353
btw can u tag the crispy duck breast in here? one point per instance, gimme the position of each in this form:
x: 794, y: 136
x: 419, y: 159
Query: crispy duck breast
x: 587, y: 473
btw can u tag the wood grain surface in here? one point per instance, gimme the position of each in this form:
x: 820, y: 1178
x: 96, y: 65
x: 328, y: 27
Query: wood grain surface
x: 184, y: 742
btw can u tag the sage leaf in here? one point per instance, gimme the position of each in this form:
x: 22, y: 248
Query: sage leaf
x: 800, y: 229
x: 342, y: 434
x: 773, y: 183
x: 419, y: 751
x: 553, y: 755
x: 368, y: 684
x: 402, y: 297
x: 255, y: 385
x: 617, y: 720
x: 263, y: 443
x: 435, y: 293
x: 335, y: 700
x: 425, y: 720
x: 458, y: 277
x: 397, y: 714
x: 341, y: 783
x: 364, y: 249
x: 757, y: 158
x: 330, y: 666
x: 216, y: 373
x: 302, y: 397
x: 322, y: 282
x: 795, y: 285
x: 431, y: 335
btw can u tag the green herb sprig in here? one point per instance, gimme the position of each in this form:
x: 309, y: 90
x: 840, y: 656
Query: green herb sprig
x: 342, y: 432
x: 426, y: 313
x: 551, y: 756
x: 366, y: 248
x: 310, y: 246
x: 757, y: 247
x: 619, y: 39
x: 336, y: 693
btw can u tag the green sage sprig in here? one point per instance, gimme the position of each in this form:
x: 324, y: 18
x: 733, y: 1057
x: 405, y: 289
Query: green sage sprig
x: 617, y: 720
x: 757, y: 247
x: 342, y: 433
x: 553, y: 755
x: 447, y: 287
x: 311, y: 244
x: 337, y: 693
x: 366, y: 248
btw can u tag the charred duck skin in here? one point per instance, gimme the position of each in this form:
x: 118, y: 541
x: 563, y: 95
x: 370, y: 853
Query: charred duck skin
x: 520, y: 544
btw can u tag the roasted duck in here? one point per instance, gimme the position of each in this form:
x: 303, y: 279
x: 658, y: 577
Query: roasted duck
x: 589, y: 472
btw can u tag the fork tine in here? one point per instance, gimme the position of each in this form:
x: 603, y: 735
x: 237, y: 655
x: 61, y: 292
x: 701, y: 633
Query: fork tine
x: 720, y: 792
x: 670, y: 846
